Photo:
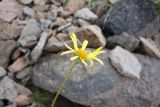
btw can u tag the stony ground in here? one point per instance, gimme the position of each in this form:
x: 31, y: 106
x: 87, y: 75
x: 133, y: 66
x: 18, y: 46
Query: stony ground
x: 33, y: 33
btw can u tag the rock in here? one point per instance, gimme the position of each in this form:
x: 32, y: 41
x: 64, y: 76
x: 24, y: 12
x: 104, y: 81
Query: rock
x: 6, y: 49
x: 53, y: 13
x: 22, y: 90
x: 45, y: 23
x: 58, y: 2
x: 16, y: 54
x: 151, y: 31
x: 29, y: 11
x: 113, y: 1
x: 62, y: 37
x: 22, y: 100
x: 10, y: 75
x: 26, y: 22
x: 10, y: 31
x: 72, y: 6
x: 24, y: 73
x: 82, y: 22
x: 7, y: 6
x: 150, y: 48
x: 100, y: 7
x: 41, y: 8
x: 25, y: 1
x: 93, y: 34
x: 70, y: 20
x: 59, y: 22
x: 127, y: 16
x: 69, y: 29
x: 40, y: 2
x: 30, y: 34
x: 9, y: 89
x: 100, y: 86
x: 18, y: 65
x: 125, y: 62
x: 65, y: 14
x: 85, y: 14
x: 3, y: 72
x: 60, y: 28
x: 37, y: 51
x: 124, y: 40
x: 54, y: 45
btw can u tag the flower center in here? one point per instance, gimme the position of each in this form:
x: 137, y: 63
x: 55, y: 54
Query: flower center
x: 81, y: 53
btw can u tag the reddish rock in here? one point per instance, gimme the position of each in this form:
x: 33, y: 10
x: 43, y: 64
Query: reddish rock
x: 93, y: 34
x: 150, y: 48
x: 10, y: 31
x: 16, y: 54
x: 74, y: 5
x: 9, y: 10
x: 22, y: 100
x: 18, y: 65
x: 62, y: 37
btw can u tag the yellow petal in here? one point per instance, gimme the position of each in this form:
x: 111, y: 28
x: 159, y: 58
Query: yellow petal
x: 74, y: 40
x: 100, y: 61
x: 97, y: 51
x: 91, y: 61
x: 73, y: 58
x: 100, y: 52
x: 68, y: 47
x: 83, y: 61
x: 66, y: 52
x: 84, y: 45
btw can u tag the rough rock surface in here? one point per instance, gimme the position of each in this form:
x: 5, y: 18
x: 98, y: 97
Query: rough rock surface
x: 125, y: 62
x: 6, y: 48
x: 124, y: 40
x: 100, y: 86
x: 127, y: 16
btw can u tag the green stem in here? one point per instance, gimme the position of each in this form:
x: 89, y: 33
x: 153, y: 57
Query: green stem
x: 64, y: 82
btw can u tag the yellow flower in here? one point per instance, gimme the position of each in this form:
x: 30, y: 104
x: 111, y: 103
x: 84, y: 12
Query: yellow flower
x: 82, y: 53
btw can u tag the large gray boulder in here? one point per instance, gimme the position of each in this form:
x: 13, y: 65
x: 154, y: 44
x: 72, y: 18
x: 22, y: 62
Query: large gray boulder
x: 127, y: 16
x: 100, y: 86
